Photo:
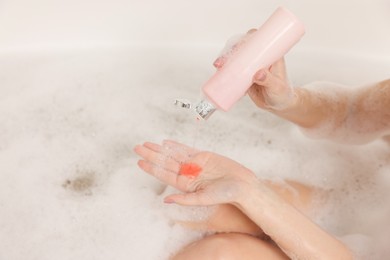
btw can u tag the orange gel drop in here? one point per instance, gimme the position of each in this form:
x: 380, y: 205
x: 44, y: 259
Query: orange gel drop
x: 190, y: 170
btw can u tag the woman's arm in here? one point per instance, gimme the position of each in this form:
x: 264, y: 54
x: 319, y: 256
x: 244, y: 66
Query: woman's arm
x: 213, y: 179
x: 323, y: 109
x: 294, y: 233
x: 347, y: 115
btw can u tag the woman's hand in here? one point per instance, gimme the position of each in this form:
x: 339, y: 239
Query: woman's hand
x: 209, y: 179
x: 270, y: 89
x: 205, y: 177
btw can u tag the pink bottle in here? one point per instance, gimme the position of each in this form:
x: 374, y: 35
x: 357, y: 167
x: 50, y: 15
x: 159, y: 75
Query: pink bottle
x: 263, y: 48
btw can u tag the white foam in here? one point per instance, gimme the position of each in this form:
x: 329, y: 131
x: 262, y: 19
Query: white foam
x: 69, y: 185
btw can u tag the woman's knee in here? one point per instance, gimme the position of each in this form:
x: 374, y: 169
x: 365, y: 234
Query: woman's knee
x: 230, y: 247
x: 212, y: 247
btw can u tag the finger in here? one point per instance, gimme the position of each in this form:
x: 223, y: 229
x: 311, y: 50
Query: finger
x: 177, y: 145
x: 276, y: 93
x: 219, y: 62
x: 251, y: 31
x: 255, y: 92
x: 157, y: 156
x: 153, y: 146
x: 226, y: 54
x: 272, y: 84
x: 149, y: 154
x: 232, y: 44
x: 199, y: 198
x: 278, y: 69
x: 160, y: 173
x: 168, y: 177
x: 178, y: 151
x: 171, y: 149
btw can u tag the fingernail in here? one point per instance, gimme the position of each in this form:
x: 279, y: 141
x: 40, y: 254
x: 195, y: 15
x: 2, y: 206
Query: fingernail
x: 260, y: 75
x: 218, y: 62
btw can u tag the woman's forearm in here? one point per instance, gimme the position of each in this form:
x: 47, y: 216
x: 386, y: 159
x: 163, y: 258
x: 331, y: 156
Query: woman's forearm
x: 345, y: 114
x: 311, y: 108
x: 294, y: 233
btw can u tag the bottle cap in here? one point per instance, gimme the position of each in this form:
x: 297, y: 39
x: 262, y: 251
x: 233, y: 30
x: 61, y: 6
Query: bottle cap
x: 203, y: 109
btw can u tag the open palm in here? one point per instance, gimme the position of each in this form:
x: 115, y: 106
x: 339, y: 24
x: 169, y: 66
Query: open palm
x: 221, y: 180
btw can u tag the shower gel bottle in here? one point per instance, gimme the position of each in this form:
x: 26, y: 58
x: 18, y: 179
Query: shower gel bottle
x: 264, y: 47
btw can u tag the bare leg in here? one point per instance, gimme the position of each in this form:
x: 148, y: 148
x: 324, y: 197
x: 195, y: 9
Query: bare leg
x: 230, y: 246
x: 239, y: 237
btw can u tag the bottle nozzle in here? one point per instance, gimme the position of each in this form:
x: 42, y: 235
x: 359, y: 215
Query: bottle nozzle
x: 204, y: 109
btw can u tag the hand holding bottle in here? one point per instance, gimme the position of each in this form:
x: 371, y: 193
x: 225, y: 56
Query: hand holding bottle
x: 270, y: 89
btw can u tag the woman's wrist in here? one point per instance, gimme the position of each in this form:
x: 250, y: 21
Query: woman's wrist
x: 303, y: 110
x: 288, y: 227
x: 255, y: 194
x: 294, y: 102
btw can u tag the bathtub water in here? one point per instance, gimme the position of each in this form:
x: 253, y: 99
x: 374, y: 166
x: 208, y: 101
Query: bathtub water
x: 69, y: 185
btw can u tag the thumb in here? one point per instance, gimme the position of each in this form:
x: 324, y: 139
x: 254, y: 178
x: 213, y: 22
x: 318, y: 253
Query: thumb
x: 277, y: 93
x: 231, y: 46
x: 189, y: 199
x: 270, y: 82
